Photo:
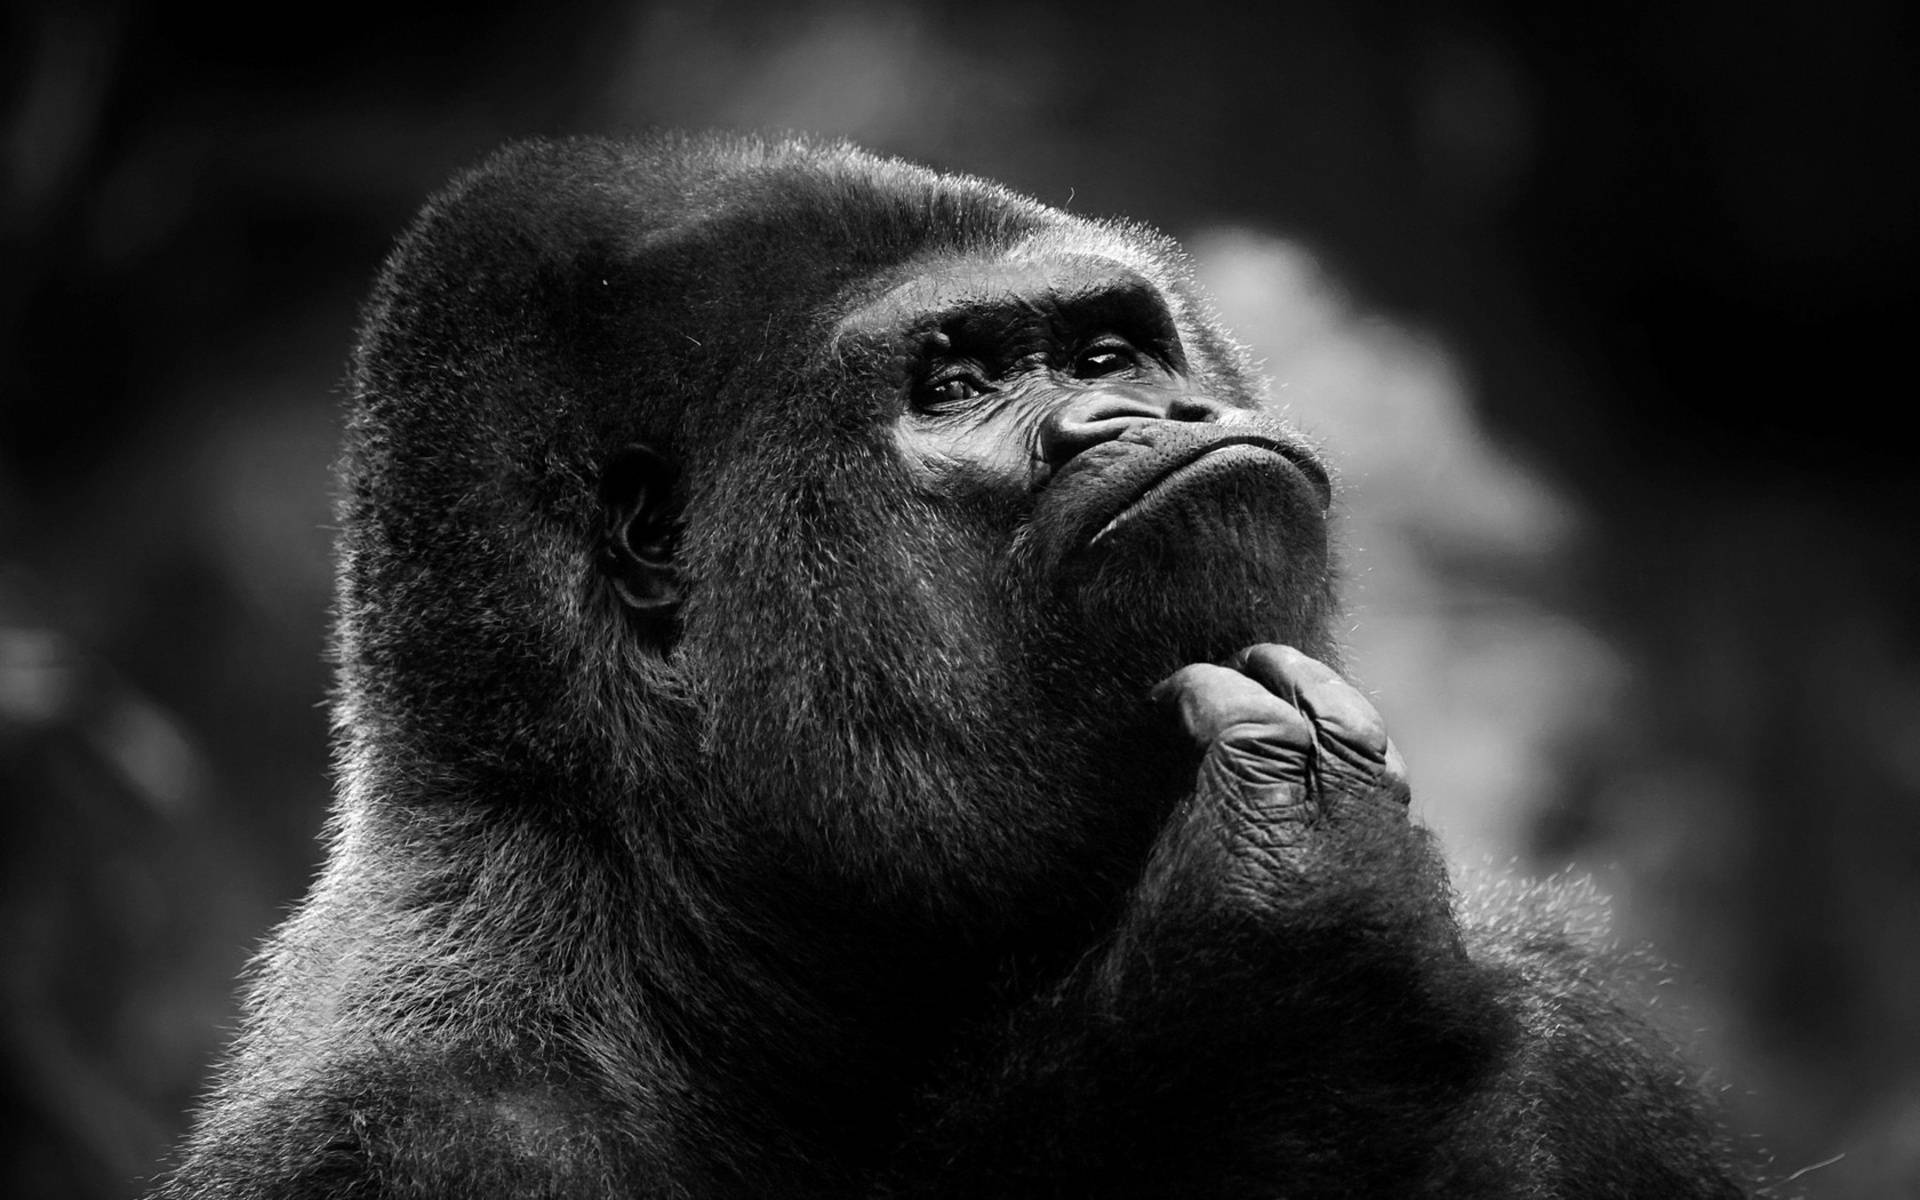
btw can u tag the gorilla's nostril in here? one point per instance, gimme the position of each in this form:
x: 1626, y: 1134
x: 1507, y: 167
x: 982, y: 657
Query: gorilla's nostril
x: 1089, y: 420
x: 1197, y: 408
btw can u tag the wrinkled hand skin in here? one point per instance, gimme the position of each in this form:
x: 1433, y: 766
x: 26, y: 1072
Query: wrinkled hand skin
x: 1294, y: 844
x: 1292, y: 756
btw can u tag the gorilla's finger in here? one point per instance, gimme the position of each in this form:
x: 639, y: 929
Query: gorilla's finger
x: 1211, y: 700
x: 1345, y: 717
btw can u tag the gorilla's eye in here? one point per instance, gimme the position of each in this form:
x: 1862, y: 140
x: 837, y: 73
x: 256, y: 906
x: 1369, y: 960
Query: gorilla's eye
x: 951, y: 387
x: 956, y: 389
x: 1108, y: 356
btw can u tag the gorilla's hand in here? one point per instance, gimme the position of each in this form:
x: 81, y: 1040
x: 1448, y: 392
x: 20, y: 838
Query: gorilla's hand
x: 1293, y: 843
x: 1288, y: 747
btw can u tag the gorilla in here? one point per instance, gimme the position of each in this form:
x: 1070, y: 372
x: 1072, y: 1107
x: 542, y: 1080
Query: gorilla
x: 833, y: 700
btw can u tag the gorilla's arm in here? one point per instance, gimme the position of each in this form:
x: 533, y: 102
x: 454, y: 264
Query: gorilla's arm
x: 1290, y: 998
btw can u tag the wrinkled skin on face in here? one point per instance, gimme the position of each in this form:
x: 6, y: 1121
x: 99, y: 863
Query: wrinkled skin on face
x: 1147, y: 513
x: 1058, y: 390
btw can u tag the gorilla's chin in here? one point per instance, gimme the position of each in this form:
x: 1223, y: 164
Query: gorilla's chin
x: 1230, y: 548
x: 1237, y: 508
x: 1226, y: 501
x: 1194, y: 581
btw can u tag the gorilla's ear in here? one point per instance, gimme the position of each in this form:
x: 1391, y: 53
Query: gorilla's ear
x: 642, y: 529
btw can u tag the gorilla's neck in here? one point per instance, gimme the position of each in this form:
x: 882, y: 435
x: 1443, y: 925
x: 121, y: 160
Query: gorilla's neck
x: 815, y: 1007
x: 817, y: 1022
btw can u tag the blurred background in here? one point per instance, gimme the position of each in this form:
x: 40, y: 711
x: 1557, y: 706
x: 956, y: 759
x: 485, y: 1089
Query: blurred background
x: 1604, y: 313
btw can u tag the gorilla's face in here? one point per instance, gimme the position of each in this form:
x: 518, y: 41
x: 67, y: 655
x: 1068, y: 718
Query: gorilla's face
x: 1152, y: 512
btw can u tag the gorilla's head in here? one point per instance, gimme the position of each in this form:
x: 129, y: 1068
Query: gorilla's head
x: 850, y: 506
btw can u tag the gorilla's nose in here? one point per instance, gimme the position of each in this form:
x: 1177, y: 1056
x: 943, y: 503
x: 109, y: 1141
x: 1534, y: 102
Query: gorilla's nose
x: 1103, y: 414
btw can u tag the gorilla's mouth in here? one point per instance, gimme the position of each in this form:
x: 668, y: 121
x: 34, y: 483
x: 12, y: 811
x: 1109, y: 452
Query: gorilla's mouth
x: 1210, y: 466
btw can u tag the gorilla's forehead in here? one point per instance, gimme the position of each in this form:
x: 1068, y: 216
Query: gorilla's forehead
x: 932, y: 292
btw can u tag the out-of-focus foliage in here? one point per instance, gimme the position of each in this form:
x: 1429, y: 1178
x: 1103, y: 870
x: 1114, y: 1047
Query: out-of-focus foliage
x: 1596, y: 310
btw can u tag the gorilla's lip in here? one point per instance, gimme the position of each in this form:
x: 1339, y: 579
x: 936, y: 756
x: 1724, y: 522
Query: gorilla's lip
x: 1301, y: 465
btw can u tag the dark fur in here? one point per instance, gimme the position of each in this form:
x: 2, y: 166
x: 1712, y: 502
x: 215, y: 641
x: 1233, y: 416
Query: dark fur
x: 796, y: 894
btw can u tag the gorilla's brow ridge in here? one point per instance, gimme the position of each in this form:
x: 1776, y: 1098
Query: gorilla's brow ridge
x: 1087, y: 289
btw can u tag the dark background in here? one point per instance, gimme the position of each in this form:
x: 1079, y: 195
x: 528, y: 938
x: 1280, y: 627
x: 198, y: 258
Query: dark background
x: 1647, y: 269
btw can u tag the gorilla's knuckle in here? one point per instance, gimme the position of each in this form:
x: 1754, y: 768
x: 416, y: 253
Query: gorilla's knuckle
x: 1214, y: 702
x: 1256, y: 758
x: 1361, y: 747
x: 1363, y: 743
x: 1283, y: 736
